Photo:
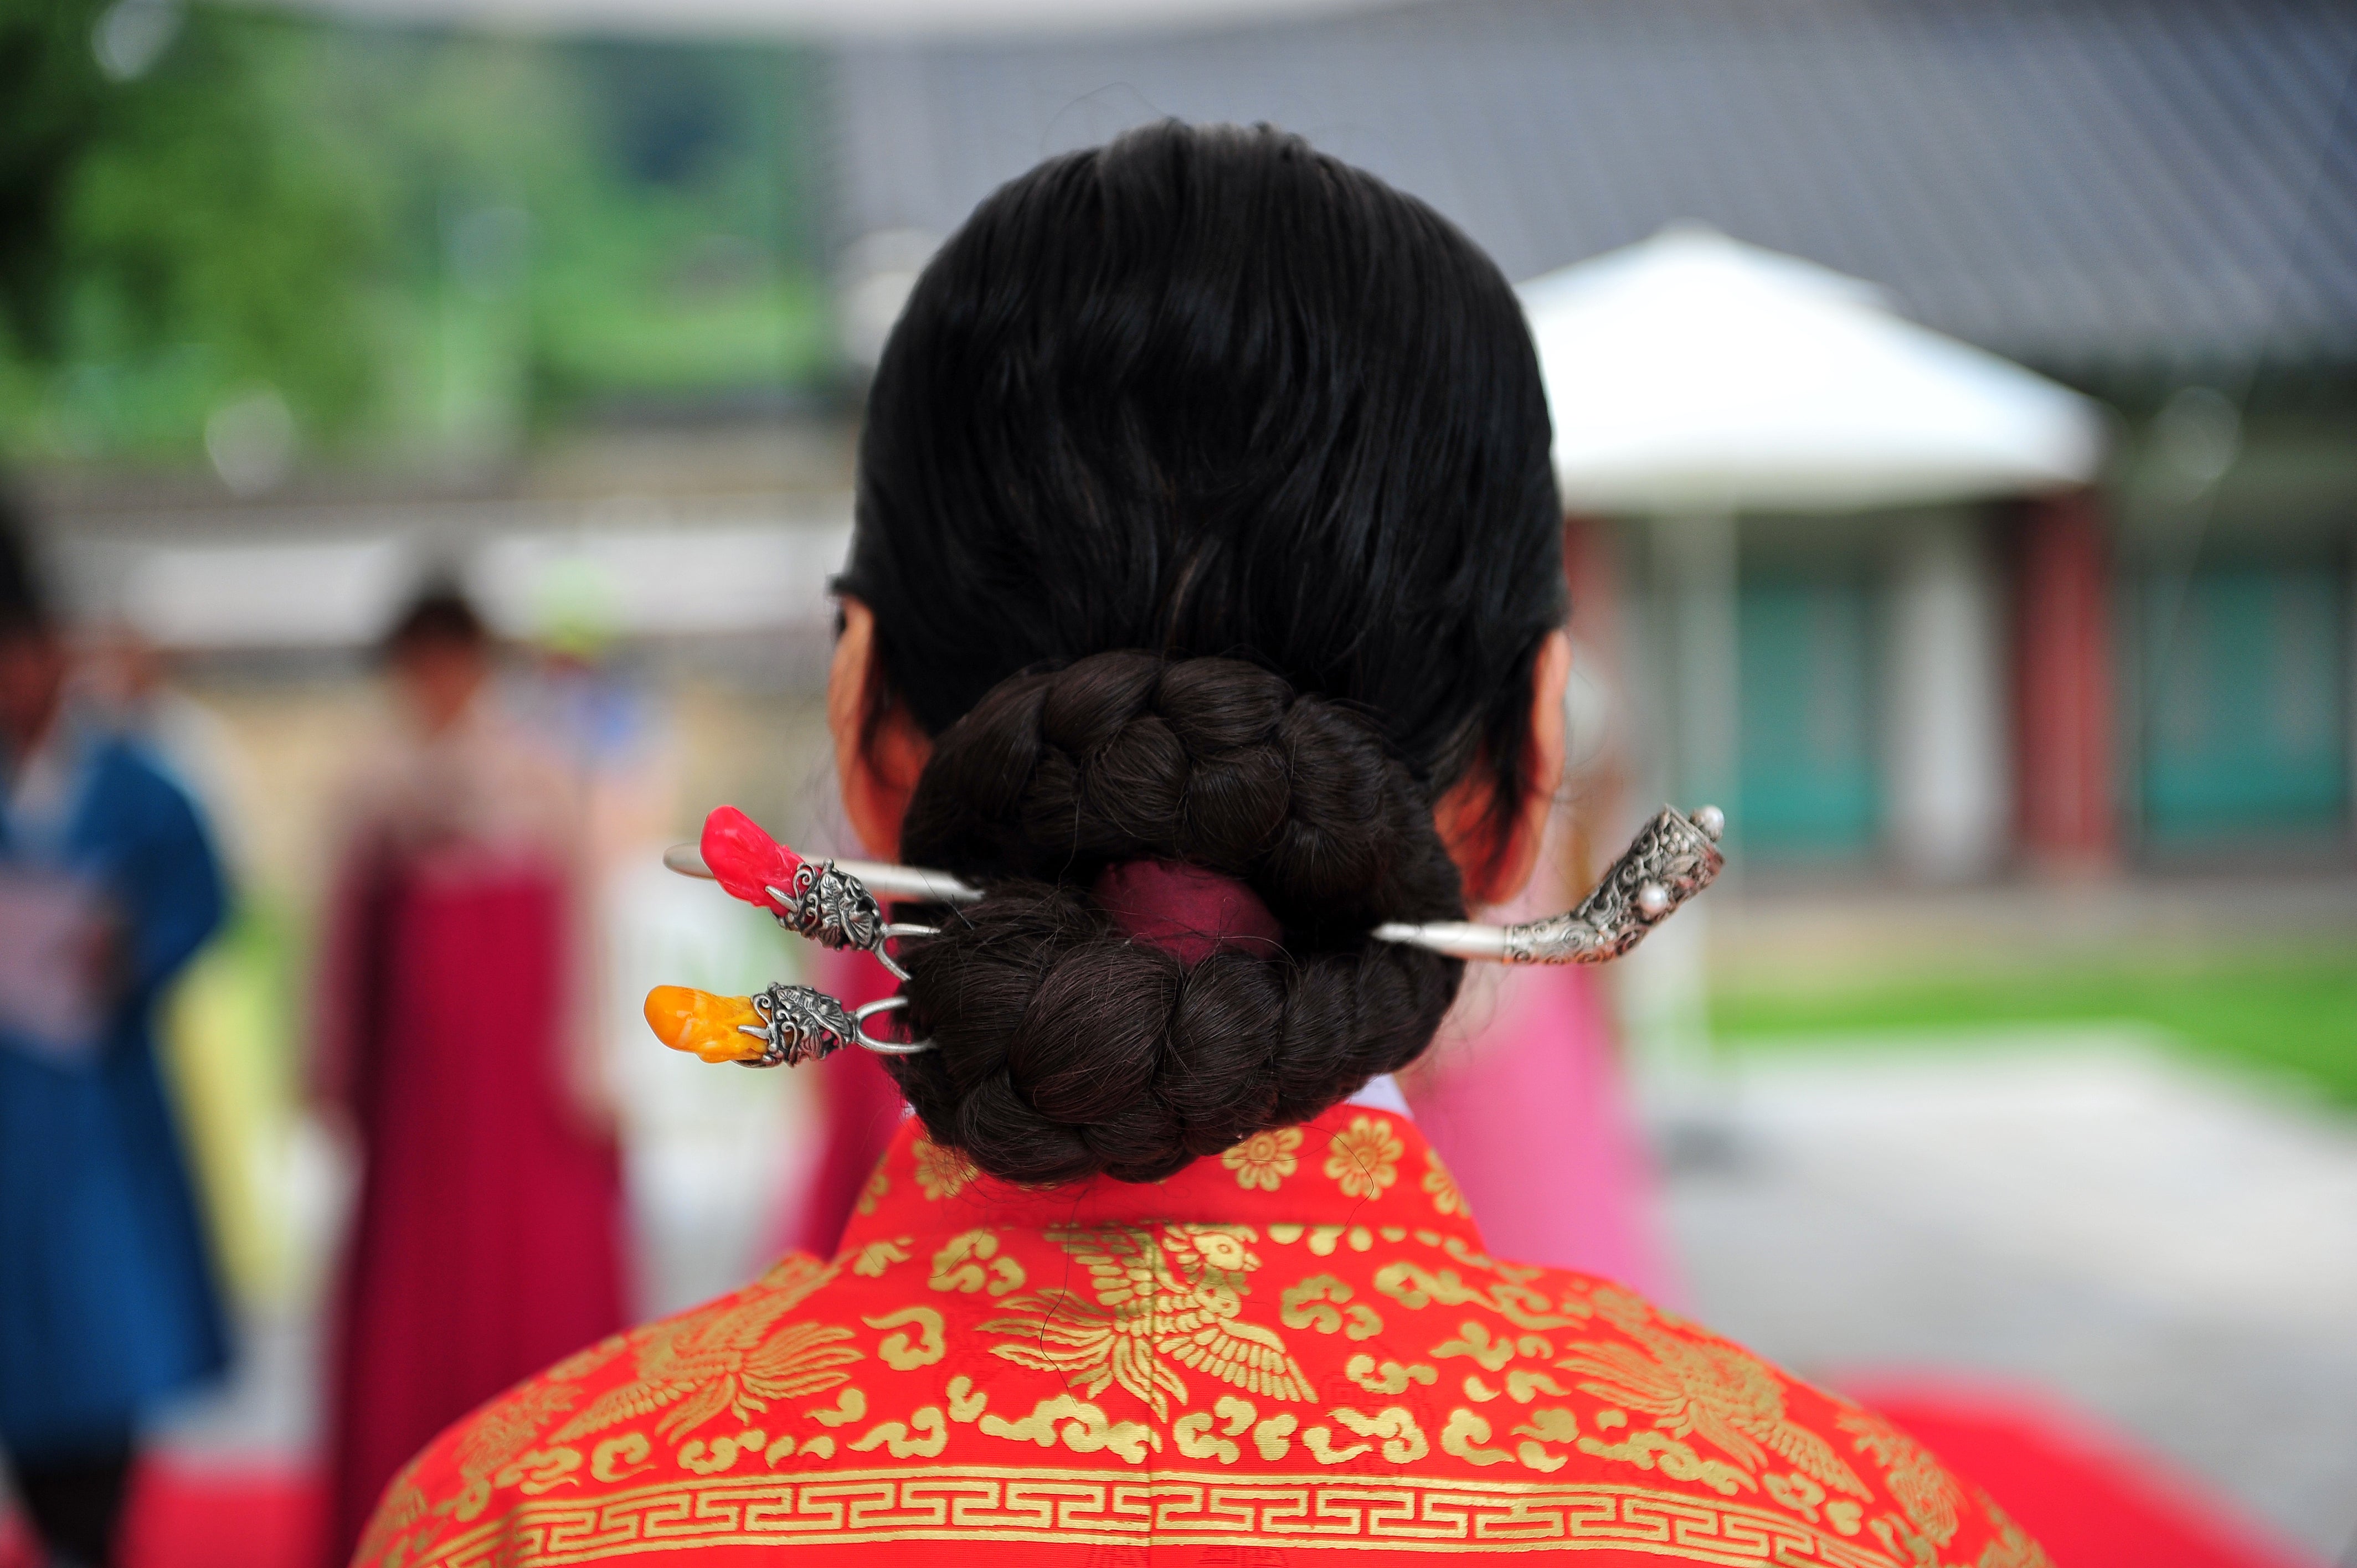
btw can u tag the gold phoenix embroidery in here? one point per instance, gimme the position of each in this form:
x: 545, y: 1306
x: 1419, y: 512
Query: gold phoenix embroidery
x: 1923, y: 1492
x: 731, y: 1358
x: 502, y: 1432
x: 1168, y: 1301
x: 1714, y: 1392
x: 1175, y: 1301
x: 581, y: 1363
x: 503, y: 1436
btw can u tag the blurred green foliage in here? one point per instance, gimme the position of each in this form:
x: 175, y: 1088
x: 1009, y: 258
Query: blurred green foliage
x: 414, y: 242
x: 2287, y: 1015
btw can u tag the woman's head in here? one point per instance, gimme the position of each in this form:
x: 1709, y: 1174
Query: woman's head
x: 1212, y: 399
x: 439, y: 653
x: 32, y: 655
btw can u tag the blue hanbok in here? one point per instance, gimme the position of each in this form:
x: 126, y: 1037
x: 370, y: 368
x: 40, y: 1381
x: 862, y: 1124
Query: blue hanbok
x: 107, y: 1295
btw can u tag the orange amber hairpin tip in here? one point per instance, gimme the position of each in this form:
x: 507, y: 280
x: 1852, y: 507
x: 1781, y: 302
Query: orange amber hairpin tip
x: 711, y: 1026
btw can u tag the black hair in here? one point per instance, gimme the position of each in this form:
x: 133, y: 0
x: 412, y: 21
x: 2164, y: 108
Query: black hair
x: 24, y: 597
x: 439, y: 615
x: 1274, y: 430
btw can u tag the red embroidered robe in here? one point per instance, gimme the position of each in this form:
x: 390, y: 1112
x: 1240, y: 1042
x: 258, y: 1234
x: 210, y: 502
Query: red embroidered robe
x: 1294, y: 1353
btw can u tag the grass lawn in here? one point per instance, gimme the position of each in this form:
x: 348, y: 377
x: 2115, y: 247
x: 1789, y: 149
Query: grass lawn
x: 2282, y: 1015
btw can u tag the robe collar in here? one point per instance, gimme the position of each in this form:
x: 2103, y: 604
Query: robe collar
x: 1345, y: 1176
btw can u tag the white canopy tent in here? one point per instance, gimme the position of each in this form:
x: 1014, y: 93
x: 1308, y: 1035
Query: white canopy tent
x: 1691, y: 373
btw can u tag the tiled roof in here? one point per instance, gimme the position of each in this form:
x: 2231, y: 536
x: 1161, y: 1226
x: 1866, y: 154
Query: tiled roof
x: 2097, y: 186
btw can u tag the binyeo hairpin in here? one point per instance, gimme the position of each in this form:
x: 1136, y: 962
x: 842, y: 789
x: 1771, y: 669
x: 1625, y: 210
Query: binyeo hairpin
x: 835, y: 904
x: 779, y: 1026
x: 829, y: 904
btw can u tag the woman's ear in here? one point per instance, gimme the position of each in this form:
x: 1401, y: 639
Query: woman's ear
x: 876, y: 765
x: 1496, y: 858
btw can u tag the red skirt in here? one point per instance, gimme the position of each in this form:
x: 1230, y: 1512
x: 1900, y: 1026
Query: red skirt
x: 488, y: 1240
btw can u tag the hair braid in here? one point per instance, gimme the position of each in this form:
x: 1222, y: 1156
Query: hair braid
x: 1064, y: 1048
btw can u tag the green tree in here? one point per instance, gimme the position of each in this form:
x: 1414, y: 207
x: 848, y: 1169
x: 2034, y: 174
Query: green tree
x: 170, y: 239
x: 413, y: 239
x: 56, y: 109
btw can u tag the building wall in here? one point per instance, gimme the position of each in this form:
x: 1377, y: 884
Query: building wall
x: 2076, y: 682
x: 2234, y: 598
x: 2246, y: 700
x: 1948, y: 752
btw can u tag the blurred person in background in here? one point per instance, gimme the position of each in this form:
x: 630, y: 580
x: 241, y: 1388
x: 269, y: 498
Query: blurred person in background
x: 456, y: 1043
x: 131, y: 686
x: 107, y: 886
x: 226, y: 1030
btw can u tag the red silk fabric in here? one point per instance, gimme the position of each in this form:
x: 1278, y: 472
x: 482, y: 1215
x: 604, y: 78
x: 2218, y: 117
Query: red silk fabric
x: 1185, y: 910
x: 1294, y: 1352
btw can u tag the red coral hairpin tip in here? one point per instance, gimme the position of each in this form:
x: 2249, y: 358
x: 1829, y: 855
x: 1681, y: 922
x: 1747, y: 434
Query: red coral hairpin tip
x: 746, y: 861
x: 812, y: 898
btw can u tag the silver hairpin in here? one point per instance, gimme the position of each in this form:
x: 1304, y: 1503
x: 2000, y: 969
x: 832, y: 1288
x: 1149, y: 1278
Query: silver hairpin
x: 817, y: 899
x: 800, y: 1023
x: 1672, y: 858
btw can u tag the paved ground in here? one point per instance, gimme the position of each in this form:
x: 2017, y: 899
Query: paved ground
x: 2068, y: 1210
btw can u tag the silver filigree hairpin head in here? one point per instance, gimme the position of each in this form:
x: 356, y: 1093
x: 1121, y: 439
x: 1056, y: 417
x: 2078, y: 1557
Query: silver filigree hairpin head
x: 1672, y: 858
x: 800, y: 1023
x: 829, y: 908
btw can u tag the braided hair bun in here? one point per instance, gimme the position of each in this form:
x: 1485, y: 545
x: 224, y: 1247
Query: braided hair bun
x: 1064, y: 1048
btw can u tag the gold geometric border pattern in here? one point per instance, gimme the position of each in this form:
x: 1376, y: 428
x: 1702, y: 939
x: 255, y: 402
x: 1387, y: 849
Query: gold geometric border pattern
x: 1088, y: 1507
